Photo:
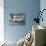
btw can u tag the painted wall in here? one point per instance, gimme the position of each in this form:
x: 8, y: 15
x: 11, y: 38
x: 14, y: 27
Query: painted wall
x: 29, y: 7
x: 43, y: 6
x: 1, y: 21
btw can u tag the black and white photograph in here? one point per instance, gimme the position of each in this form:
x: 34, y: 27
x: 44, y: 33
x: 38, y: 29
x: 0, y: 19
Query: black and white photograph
x: 17, y: 19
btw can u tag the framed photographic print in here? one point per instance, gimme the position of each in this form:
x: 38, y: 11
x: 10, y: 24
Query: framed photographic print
x: 17, y: 19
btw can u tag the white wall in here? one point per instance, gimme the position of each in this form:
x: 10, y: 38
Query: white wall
x: 1, y: 21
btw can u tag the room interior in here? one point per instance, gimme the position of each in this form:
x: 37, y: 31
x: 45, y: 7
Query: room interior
x: 17, y: 24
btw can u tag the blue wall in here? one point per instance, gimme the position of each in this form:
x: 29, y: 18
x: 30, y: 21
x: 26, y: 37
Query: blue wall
x: 43, y: 6
x: 29, y: 7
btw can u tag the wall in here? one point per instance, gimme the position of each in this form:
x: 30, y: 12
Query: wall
x: 29, y: 7
x: 43, y: 6
x: 1, y: 21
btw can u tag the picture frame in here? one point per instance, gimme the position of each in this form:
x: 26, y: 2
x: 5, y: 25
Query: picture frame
x: 17, y: 19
